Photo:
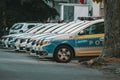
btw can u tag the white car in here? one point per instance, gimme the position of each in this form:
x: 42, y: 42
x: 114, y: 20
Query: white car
x: 8, y: 40
x: 21, y: 27
x: 61, y: 30
x: 85, y: 40
x: 22, y: 39
x: 36, y: 37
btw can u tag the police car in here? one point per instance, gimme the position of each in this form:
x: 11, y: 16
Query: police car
x: 63, y: 29
x: 87, y: 40
x: 21, y: 27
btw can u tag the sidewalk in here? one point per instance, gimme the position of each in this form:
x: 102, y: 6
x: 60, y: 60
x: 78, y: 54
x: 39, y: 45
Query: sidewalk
x: 110, y: 67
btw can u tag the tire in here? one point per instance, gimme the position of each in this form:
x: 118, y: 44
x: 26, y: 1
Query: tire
x: 63, y: 54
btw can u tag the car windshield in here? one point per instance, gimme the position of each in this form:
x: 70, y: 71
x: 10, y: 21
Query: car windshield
x: 29, y: 30
x: 17, y: 26
x: 62, y: 27
x: 70, y: 27
x: 54, y: 28
x: 34, y: 29
x: 77, y: 27
x: 46, y: 28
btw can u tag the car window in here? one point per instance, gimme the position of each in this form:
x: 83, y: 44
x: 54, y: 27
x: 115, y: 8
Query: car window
x: 95, y: 29
x: 30, y: 26
x: 30, y: 29
x: 76, y: 27
x: 14, y: 26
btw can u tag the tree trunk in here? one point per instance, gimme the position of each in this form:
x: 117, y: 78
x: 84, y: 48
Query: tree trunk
x: 112, y: 28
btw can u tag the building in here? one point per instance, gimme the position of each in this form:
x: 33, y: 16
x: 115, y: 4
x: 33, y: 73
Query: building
x: 71, y: 9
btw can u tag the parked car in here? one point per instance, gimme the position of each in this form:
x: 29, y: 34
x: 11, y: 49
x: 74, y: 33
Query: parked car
x: 45, y: 32
x: 62, y: 30
x: 31, y: 41
x: 87, y: 40
x: 7, y: 39
x: 21, y: 27
x: 23, y: 38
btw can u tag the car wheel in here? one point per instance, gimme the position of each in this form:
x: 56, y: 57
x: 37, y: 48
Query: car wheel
x: 63, y: 54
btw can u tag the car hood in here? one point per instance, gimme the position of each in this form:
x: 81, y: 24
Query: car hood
x: 42, y: 35
x: 34, y: 36
x: 38, y: 37
x: 14, y: 35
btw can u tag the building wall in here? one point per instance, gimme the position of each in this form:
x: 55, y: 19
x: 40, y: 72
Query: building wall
x: 69, y: 11
x: 102, y: 9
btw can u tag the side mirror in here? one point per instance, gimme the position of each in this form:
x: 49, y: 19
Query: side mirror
x: 81, y: 33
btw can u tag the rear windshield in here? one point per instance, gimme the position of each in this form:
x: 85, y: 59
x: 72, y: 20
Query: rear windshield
x: 17, y: 26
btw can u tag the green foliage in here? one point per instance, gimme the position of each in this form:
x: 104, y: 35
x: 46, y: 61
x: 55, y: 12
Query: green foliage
x: 12, y: 11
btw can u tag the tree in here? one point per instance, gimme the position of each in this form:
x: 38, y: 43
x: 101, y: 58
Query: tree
x: 112, y: 28
x: 12, y: 11
x: 2, y: 14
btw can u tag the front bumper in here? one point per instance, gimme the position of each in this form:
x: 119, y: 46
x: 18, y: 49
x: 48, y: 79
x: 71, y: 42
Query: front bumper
x: 45, y: 50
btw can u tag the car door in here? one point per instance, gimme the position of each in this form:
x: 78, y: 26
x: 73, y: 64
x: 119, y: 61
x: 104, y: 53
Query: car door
x: 90, y: 42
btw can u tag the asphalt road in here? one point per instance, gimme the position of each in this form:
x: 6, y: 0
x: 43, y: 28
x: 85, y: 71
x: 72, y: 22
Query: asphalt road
x: 22, y: 66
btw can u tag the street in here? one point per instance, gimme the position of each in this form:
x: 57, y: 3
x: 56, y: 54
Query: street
x: 22, y: 66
